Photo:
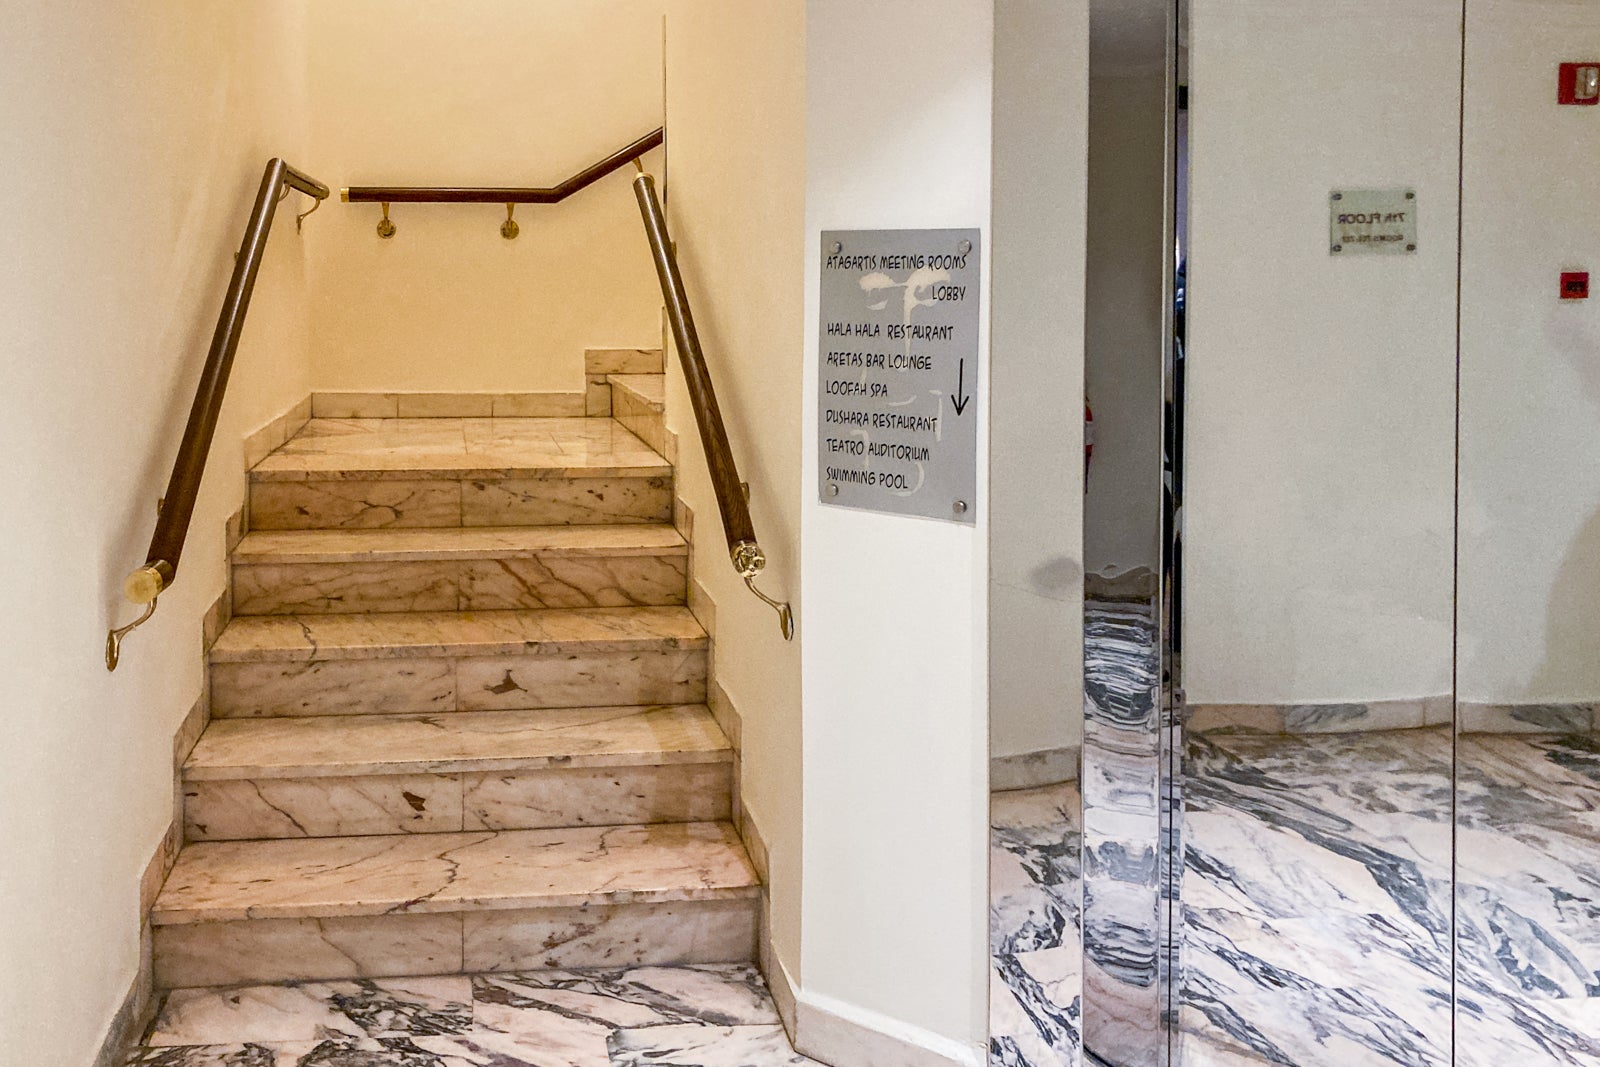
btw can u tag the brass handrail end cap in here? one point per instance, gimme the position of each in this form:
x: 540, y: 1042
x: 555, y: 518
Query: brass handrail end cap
x: 344, y: 194
x: 143, y: 585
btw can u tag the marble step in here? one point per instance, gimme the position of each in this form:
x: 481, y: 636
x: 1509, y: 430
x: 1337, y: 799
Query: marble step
x: 464, y: 568
x: 438, y: 661
x: 416, y: 904
x: 408, y: 473
x: 359, y: 775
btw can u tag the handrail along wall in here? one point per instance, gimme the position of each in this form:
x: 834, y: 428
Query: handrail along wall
x: 160, y: 567
x: 743, y: 548
x: 448, y: 194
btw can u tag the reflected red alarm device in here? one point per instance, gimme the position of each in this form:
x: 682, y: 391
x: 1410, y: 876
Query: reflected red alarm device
x: 1574, y: 285
x: 1579, y: 84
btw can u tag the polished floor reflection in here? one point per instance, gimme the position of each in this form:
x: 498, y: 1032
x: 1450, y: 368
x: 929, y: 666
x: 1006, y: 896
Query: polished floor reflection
x: 1528, y: 899
x: 1035, y: 913
x: 1317, y: 906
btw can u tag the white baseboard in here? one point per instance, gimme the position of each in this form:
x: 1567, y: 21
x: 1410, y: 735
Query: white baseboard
x: 844, y: 1035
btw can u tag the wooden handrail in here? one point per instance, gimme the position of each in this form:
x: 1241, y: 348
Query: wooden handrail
x: 743, y: 549
x: 160, y: 567
x: 448, y: 194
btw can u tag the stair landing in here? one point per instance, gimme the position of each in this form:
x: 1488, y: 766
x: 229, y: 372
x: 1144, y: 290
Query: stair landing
x: 460, y: 448
x: 380, y: 473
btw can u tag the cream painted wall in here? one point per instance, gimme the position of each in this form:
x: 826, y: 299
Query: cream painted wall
x: 1041, y: 71
x: 1320, y: 445
x: 736, y: 102
x: 894, y: 681
x: 1530, y: 373
x: 411, y: 92
x: 136, y: 138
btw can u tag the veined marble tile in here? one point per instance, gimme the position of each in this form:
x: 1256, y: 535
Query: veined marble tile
x: 276, y: 950
x: 573, y: 581
x: 348, y: 405
x: 538, y: 405
x: 564, y: 501
x: 638, y: 402
x: 674, y: 676
x: 354, y: 504
x: 567, y: 581
x: 590, y: 737
x: 648, y: 389
x: 554, y: 1018
x: 487, y: 633
x: 700, y: 1046
x: 728, y: 994
x: 486, y: 542
x: 340, y: 687
x: 241, y: 809
x: 1035, y: 915
x: 1326, y: 718
x: 623, y: 361
x: 698, y: 931
x: 432, y: 873
x: 443, y: 405
x: 610, y: 796
x: 313, y: 1011
x: 1032, y: 770
x: 597, y: 396
x: 1528, y: 718
x: 286, y: 589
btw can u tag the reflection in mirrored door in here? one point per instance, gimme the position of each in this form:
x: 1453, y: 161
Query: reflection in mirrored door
x: 1528, y: 680
x: 1318, y: 521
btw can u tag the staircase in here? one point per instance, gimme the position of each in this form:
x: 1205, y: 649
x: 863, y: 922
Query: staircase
x: 457, y: 717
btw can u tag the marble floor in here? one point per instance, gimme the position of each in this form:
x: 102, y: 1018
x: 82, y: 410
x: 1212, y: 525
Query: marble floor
x: 1323, y: 876
x: 704, y: 1016
x: 1036, y: 944
x: 1318, y: 908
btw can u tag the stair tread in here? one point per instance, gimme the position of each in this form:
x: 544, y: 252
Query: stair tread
x: 454, y: 872
x: 461, y: 448
x: 347, y: 745
x: 448, y: 543
x: 402, y: 634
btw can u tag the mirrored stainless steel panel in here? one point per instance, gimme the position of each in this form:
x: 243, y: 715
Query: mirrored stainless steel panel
x: 1528, y: 635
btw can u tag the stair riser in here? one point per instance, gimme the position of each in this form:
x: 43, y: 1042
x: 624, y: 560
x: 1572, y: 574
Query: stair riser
x: 282, y: 950
x: 238, y: 809
x: 570, y: 581
x: 329, y: 504
x: 435, y: 684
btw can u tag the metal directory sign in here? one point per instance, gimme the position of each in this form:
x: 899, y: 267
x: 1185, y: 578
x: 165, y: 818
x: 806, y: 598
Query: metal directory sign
x: 897, y: 406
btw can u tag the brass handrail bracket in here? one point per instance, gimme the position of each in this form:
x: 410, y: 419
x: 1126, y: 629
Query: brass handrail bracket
x: 114, y: 638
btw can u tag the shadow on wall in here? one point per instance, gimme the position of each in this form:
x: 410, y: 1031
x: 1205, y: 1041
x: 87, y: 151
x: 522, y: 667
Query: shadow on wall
x: 1572, y: 619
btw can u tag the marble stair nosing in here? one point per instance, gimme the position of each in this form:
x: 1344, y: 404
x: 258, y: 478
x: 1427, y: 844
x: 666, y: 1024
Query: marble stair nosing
x: 422, y: 874
x: 343, y: 746
x: 464, y: 569
x: 262, y: 547
x: 455, y: 634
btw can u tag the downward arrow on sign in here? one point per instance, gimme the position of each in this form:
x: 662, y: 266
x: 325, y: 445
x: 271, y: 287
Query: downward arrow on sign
x: 959, y: 397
